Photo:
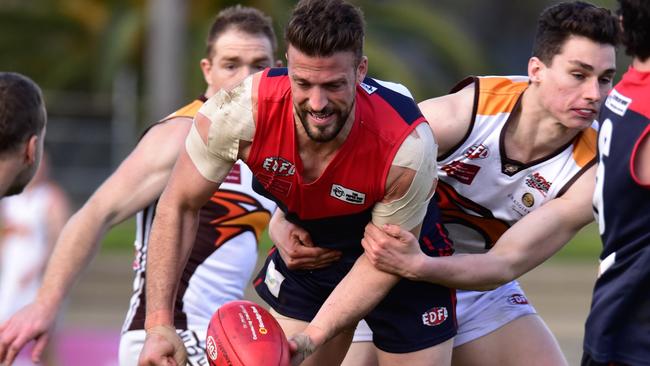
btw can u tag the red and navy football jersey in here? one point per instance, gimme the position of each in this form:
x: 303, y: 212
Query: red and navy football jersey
x: 334, y: 208
x: 618, y: 326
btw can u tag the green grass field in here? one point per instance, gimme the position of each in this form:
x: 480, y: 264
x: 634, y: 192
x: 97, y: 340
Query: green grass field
x: 585, y: 246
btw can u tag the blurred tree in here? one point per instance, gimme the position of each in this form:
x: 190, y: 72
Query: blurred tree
x: 426, y: 45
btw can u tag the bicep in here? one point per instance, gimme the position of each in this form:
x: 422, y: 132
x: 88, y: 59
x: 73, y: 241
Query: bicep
x: 142, y: 176
x: 187, y: 187
x: 449, y: 117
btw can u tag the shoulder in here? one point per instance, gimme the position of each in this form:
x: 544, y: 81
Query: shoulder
x: 450, y: 116
x: 585, y: 147
x: 170, y: 131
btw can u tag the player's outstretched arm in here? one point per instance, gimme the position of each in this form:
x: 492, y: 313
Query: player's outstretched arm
x: 137, y: 182
x: 528, y: 243
x: 172, y: 234
x: 295, y: 245
x: 221, y: 133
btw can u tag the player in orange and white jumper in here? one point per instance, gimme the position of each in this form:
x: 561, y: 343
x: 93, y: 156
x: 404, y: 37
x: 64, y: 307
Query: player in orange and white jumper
x: 516, y: 168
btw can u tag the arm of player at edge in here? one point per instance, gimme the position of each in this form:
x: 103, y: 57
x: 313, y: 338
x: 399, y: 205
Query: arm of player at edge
x: 528, y: 243
x: 209, y: 154
x: 137, y: 182
x: 365, y: 286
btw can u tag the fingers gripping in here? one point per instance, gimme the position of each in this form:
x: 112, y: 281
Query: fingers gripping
x: 169, y: 334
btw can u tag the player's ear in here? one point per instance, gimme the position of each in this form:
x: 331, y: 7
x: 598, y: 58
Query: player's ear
x: 31, y: 150
x: 362, y: 69
x: 206, y: 67
x: 535, y: 69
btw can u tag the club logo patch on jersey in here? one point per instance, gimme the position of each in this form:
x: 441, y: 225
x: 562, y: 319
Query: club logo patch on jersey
x: 520, y: 206
x: 435, y: 316
x: 368, y: 88
x: 347, y: 195
x: 617, y: 102
x: 517, y: 299
x: 528, y: 199
x: 231, y: 214
x: 536, y: 181
x: 279, y: 166
x: 475, y: 152
x: 510, y: 169
x: 462, y: 172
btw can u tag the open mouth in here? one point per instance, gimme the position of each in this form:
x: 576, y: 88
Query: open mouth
x: 320, y: 117
x: 585, y: 112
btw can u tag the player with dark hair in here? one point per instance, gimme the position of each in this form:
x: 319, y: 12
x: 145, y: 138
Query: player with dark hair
x: 241, y: 41
x: 617, y: 331
x: 335, y: 150
x: 516, y: 168
x: 22, y: 131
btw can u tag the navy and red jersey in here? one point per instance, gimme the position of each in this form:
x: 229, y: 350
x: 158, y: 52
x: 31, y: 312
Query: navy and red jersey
x: 335, y: 208
x: 618, y: 326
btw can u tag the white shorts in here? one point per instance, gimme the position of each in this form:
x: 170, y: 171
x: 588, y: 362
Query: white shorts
x: 132, y: 341
x: 362, y: 333
x: 478, y: 312
x: 482, y: 312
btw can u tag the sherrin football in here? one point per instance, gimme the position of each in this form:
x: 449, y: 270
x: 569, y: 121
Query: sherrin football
x: 242, y: 333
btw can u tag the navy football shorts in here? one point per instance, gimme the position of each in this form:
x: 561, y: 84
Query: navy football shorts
x: 412, y: 317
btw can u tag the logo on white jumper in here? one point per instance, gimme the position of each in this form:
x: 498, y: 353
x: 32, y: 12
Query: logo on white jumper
x: 617, y: 102
x: 435, y: 316
x: 347, y: 195
x: 368, y: 88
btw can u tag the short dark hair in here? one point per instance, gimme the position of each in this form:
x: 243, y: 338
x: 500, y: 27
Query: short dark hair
x: 22, y: 111
x: 246, y: 19
x: 324, y: 27
x: 636, y: 27
x: 558, y: 22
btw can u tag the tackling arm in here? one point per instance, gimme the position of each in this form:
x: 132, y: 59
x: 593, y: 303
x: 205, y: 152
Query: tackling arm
x: 528, y: 243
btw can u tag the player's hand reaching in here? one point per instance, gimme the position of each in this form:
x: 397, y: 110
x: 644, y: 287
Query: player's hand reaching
x: 301, y: 347
x: 392, y: 249
x: 33, y: 322
x: 295, y: 245
x: 162, y: 347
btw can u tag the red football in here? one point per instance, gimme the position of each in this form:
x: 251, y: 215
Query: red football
x: 242, y: 333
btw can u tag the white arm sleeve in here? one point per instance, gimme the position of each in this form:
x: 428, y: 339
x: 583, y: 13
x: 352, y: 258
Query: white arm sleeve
x: 231, y: 119
x: 418, y: 152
